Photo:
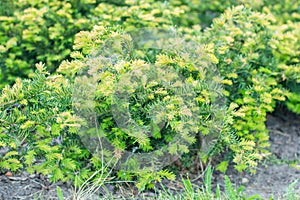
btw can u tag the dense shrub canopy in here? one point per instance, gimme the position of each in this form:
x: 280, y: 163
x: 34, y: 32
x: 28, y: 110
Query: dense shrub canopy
x: 254, y: 47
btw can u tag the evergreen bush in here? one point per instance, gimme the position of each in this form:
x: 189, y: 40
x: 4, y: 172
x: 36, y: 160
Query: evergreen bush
x: 255, y: 49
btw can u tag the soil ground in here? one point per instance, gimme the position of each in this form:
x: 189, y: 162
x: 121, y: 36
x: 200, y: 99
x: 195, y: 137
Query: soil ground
x: 272, y: 178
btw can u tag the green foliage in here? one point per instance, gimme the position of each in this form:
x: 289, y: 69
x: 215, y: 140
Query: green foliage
x: 148, y: 178
x: 145, y: 87
x: 206, y: 192
x: 294, y: 102
x: 34, y: 31
x: 290, y: 193
x: 255, y: 47
x: 247, y: 50
x: 60, y: 194
x: 38, y: 131
x: 6, y: 7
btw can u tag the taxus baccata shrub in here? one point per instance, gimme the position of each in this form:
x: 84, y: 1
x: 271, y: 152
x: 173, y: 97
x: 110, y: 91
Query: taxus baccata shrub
x: 256, y: 53
x: 153, y: 102
x: 243, y: 45
x: 252, y: 58
x: 259, y: 60
x: 38, y: 131
x: 34, y: 31
x: 204, y: 11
